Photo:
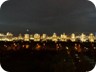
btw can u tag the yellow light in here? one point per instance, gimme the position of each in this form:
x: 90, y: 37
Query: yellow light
x: 63, y: 37
x: 91, y: 37
x: 54, y: 37
x: 73, y: 37
x: 36, y: 37
x: 83, y: 37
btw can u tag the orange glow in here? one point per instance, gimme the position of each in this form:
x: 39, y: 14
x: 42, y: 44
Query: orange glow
x: 27, y: 46
x: 38, y: 47
x: 57, y: 46
x: 23, y: 46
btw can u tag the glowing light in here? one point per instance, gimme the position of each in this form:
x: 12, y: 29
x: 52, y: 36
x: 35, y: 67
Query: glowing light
x: 27, y: 46
x: 26, y: 37
x: 91, y: 37
x: 83, y: 37
x: 36, y: 37
x: 94, y: 47
x: 57, y: 46
x: 67, y: 48
x: 63, y: 37
x: 54, y: 37
x: 73, y: 37
x: 43, y: 37
x: 38, y: 47
x: 23, y: 46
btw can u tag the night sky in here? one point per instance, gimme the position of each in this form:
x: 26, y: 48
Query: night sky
x: 47, y: 16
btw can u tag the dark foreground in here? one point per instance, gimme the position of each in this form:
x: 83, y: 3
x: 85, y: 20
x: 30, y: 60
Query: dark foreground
x: 47, y: 56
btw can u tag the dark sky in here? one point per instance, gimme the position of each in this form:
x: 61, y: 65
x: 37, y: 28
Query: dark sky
x: 47, y: 16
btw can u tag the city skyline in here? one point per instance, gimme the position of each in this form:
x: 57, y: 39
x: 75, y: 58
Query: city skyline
x: 47, y: 35
x: 91, y: 37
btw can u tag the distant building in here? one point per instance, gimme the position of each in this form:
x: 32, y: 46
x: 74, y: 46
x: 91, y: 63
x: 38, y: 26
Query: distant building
x: 20, y: 37
x: 1, y: 36
x: 91, y: 37
x: 26, y: 37
x: 8, y: 37
x: 31, y: 37
x: 54, y: 37
x: 83, y: 37
x: 36, y: 37
x: 43, y: 37
x: 73, y: 37
x: 63, y: 37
